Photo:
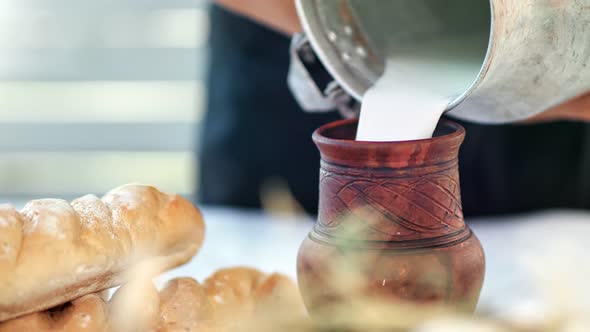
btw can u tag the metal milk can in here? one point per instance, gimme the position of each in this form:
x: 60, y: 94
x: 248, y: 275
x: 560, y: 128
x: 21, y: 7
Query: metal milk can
x: 517, y: 58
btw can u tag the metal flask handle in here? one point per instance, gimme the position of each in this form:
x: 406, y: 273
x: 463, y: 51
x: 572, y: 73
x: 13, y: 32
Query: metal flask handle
x: 313, y: 87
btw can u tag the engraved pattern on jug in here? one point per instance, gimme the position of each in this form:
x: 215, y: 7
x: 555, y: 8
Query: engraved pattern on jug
x: 407, y: 207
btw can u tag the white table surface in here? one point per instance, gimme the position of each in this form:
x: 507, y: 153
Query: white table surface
x: 531, y: 259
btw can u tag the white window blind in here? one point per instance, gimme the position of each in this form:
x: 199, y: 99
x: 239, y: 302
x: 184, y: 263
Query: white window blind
x: 94, y: 94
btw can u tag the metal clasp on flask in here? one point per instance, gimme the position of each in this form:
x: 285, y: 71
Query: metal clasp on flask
x: 313, y: 87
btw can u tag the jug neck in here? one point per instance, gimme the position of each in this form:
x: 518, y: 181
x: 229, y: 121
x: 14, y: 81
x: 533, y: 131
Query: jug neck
x: 390, y: 193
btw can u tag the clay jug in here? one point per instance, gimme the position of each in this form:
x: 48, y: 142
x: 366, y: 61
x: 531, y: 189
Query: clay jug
x: 390, y: 223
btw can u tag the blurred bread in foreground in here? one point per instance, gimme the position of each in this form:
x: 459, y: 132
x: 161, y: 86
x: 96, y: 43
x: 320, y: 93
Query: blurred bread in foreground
x: 226, y: 300
x: 87, y: 314
x: 242, y: 299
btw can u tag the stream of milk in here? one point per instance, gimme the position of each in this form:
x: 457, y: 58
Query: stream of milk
x: 406, y: 103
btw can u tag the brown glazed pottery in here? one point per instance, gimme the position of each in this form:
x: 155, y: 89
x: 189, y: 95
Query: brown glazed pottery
x: 390, y: 223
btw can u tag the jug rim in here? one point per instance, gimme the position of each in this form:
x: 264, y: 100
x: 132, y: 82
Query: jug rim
x: 320, y: 135
x: 337, y: 146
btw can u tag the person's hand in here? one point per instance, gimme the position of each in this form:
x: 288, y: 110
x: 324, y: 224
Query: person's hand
x: 577, y: 110
x: 280, y: 15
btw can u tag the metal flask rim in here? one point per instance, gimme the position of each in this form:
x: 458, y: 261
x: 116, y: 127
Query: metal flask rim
x: 353, y: 84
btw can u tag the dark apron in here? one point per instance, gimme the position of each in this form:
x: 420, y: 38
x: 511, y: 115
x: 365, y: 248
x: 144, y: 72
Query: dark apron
x: 254, y: 131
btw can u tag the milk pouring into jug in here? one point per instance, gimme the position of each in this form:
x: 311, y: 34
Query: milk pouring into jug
x: 384, y: 113
x: 403, y: 105
x: 409, y: 61
x: 390, y: 201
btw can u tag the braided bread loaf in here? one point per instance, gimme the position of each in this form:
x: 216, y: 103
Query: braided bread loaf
x: 227, y: 299
x: 52, y: 251
x: 86, y: 314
